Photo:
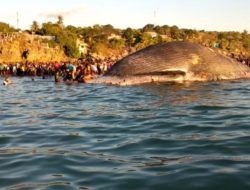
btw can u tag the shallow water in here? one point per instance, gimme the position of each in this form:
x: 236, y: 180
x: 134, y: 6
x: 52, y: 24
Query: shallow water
x: 82, y: 136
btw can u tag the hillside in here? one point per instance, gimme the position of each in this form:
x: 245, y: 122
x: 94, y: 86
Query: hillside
x: 17, y: 47
x: 55, y: 42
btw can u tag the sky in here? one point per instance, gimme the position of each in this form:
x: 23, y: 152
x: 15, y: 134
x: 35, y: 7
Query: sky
x: 210, y: 15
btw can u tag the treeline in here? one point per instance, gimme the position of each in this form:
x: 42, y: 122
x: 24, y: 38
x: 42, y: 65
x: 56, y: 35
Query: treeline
x: 4, y: 27
x: 106, y: 40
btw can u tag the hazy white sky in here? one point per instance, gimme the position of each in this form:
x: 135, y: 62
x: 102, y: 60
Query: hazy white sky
x: 220, y: 15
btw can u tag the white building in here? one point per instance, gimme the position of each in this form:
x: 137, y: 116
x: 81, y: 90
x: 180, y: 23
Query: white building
x: 82, y: 47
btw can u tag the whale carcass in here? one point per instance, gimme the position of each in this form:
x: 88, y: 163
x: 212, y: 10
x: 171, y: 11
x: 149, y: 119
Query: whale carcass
x: 173, y: 61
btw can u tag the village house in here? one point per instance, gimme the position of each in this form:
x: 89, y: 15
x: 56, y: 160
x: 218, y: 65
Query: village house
x: 114, y: 36
x: 82, y: 47
x: 152, y: 34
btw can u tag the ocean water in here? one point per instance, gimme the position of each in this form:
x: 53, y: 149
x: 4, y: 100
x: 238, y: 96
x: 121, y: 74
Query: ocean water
x: 155, y: 136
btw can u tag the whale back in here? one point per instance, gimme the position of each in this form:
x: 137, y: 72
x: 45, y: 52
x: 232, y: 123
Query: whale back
x: 179, y: 57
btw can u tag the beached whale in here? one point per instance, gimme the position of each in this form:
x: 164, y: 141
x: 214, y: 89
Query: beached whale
x: 173, y: 61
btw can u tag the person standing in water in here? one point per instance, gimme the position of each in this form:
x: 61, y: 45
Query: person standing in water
x: 7, y: 81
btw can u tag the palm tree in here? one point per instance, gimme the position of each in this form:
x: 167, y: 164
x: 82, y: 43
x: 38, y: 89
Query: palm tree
x: 60, y: 21
x: 34, y: 27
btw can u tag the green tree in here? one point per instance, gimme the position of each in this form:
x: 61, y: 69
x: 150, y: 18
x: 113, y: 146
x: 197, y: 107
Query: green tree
x: 109, y: 29
x: 224, y: 44
x: 148, y: 28
x: 49, y: 29
x: 143, y: 40
x: 166, y: 29
x: 129, y: 36
x: 60, y: 21
x: 64, y: 37
x: 67, y: 40
x: 221, y: 36
x: 116, y: 43
x: 34, y: 27
x: 175, y: 32
x: 159, y: 30
x: 157, y: 39
x: 189, y: 34
x: 246, y: 43
x: 6, y: 28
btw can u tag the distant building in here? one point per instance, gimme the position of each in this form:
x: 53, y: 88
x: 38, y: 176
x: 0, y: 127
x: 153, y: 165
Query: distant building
x: 32, y: 37
x: 216, y: 45
x: 82, y: 47
x: 152, y: 34
x: 114, y: 36
x: 52, y: 38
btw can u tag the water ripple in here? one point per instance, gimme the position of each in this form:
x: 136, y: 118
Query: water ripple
x: 168, y: 136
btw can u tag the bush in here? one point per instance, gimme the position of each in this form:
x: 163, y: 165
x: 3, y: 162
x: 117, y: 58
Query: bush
x: 6, y: 28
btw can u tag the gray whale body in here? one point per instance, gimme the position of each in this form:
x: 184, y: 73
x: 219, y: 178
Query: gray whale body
x: 173, y: 61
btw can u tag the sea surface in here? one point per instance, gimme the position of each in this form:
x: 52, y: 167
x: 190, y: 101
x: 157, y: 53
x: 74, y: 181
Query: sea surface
x: 98, y: 137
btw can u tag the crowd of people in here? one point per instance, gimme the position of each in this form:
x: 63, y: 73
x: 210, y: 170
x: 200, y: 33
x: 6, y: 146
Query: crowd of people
x: 79, y: 70
x: 241, y: 58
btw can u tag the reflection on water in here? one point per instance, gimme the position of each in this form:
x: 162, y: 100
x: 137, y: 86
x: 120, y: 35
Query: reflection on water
x: 161, y: 136
x: 188, y: 93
